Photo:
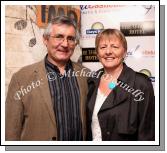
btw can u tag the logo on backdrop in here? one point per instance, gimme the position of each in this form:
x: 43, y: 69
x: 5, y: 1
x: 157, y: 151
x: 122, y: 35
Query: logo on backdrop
x: 85, y: 7
x: 95, y: 28
x: 137, y: 52
x: 89, y: 55
x: 148, y: 73
x: 45, y: 13
x: 146, y: 28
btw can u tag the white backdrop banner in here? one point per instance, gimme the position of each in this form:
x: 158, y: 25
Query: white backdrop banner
x: 137, y: 22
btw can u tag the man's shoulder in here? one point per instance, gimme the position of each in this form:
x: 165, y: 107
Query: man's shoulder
x: 27, y: 70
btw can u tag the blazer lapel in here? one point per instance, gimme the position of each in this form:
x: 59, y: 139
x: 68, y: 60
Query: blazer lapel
x: 83, y: 88
x: 93, y: 88
x: 117, y: 96
x: 119, y: 93
x: 41, y: 73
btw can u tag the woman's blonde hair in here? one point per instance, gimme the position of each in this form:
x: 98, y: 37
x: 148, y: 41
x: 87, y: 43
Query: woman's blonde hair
x: 108, y: 33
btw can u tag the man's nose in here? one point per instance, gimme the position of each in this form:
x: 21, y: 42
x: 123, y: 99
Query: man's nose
x: 65, y: 42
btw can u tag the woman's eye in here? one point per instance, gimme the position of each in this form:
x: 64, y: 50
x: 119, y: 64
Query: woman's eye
x: 116, y: 47
x: 103, y: 47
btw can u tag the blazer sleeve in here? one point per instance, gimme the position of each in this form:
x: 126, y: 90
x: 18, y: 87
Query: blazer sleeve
x: 13, y: 111
x: 146, y: 131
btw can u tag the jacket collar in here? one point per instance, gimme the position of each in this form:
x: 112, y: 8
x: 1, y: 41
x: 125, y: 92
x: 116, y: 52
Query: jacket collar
x: 41, y: 73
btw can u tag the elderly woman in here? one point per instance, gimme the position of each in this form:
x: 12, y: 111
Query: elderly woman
x: 121, y: 102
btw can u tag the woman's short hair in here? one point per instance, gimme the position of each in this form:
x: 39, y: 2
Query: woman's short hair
x: 60, y: 20
x: 108, y: 33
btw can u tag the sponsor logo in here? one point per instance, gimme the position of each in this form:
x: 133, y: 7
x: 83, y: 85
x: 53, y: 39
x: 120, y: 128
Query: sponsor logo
x: 137, y: 52
x: 146, y: 28
x: 95, y: 28
x: 45, y: 13
x: 97, y: 25
x: 92, y: 31
x: 89, y: 55
x: 85, y: 7
x: 148, y: 73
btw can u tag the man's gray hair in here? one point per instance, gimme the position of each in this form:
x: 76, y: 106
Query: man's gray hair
x: 60, y: 20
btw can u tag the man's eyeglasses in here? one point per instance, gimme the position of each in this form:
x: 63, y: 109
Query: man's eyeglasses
x: 60, y: 38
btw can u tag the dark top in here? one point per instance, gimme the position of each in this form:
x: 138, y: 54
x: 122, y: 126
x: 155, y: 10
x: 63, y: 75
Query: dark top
x: 128, y: 113
x: 66, y: 102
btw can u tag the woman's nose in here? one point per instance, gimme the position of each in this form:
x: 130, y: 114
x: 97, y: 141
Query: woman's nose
x: 109, y: 50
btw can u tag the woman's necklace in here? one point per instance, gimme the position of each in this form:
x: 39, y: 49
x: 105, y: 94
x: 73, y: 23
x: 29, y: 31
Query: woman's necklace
x: 112, y: 84
x: 107, y: 84
x: 112, y: 80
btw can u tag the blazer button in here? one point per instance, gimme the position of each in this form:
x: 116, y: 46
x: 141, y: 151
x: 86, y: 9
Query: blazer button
x: 54, y: 138
x: 108, y: 132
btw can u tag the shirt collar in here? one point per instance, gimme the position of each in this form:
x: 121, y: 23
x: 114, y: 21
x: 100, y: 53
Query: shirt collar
x: 55, y: 68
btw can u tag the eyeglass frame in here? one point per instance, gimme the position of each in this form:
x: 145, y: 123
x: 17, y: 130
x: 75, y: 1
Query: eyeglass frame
x: 60, y: 38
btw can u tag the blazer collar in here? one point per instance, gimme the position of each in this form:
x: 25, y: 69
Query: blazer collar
x: 41, y: 73
x: 119, y: 94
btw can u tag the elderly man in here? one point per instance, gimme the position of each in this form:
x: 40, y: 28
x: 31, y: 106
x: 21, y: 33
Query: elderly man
x: 43, y: 103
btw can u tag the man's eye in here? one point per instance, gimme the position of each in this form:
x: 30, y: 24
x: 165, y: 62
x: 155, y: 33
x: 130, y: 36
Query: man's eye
x: 71, y: 38
x: 115, y: 47
x: 59, y: 36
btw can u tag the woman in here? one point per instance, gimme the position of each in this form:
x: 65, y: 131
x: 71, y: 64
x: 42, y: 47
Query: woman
x: 120, y: 100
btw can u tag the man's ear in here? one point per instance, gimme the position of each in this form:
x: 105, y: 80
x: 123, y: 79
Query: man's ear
x: 45, y: 40
x: 77, y: 42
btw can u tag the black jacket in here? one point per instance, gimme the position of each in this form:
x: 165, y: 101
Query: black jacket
x: 121, y: 118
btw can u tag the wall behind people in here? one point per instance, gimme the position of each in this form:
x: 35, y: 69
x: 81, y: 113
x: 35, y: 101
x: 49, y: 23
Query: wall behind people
x: 23, y: 42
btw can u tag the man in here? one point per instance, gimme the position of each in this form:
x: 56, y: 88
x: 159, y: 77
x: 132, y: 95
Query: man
x: 43, y: 102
